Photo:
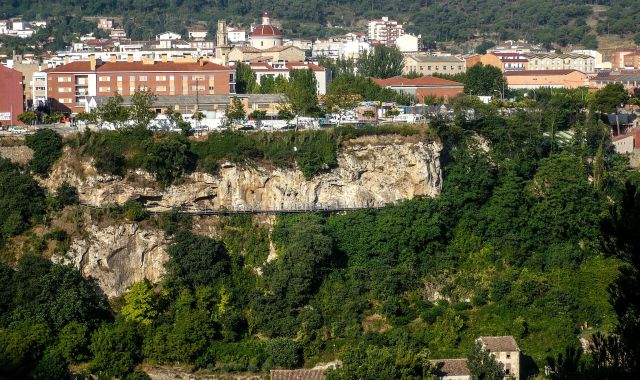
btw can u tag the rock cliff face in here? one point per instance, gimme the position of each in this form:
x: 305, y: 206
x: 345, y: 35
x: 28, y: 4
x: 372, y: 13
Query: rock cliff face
x: 372, y: 171
x: 118, y: 256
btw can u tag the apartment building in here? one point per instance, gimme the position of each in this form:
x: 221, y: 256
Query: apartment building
x: 425, y: 64
x: 385, y: 31
x: 11, y: 95
x: 532, y: 79
x: 69, y: 87
x: 625, y: 59
x: 263, y: 69
x: 504, y: 61
x: 571, y: 61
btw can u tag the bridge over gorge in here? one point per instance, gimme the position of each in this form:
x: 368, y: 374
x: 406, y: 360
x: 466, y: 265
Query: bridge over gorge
x: 241, y: 209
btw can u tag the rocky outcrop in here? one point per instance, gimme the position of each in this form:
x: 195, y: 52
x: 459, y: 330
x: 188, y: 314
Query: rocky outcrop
x: 118, y: 256
x: 372, y: 171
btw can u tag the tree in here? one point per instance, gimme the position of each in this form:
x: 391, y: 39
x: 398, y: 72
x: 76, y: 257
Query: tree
x: 245, y: 79
x: 285, y: 353
x: 301, y: 93
x: 371, y: 362
x: 197, y: 261
x: 47, y: 148
x: 609, y: 98
x: 258, y: 115
x: 169, y: 158
x: 21, y: 200
x: 567, y: 366
x: 113, y: 111
x: 67, y: 195
x: 235, y: 112
x: 116, y: 349
x: 28, y: 117
x: 482, y: 364
x: 142, y: 111
x: 485, y: 80
x: 139, y: 301
x: 384, y: 62
x: 339, y: 99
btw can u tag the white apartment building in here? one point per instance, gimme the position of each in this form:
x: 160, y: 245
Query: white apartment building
x: 385, y: 31
x: 322, y: 75
x: 39, y: 88
x: 236, y: 35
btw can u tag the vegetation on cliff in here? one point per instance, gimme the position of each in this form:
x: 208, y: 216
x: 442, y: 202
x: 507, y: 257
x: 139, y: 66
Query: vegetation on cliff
x: 529, y: 237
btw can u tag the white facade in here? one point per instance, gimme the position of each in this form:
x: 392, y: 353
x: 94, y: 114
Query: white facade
x: 385, y: 31
x: 282, y: 69
x: 39, y: 88
x: 333, y: 48
x: 236, y: 35
x: 408, y: 43
x: 599, y: 62
x: 580, y: 62
x: 197, y: 35
x: 168, y: 36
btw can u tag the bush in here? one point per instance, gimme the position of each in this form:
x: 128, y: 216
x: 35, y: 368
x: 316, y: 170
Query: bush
x: 135, y: 211
x: 284, y: 353
x: 47, y: 148
x: 67, y: 195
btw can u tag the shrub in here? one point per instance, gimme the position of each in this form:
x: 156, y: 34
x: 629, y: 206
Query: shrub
x: 47, y: 148
x: 284, y: 353
x: 135, y: 211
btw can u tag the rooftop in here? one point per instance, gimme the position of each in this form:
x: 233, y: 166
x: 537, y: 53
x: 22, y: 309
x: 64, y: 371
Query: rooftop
x: 435, y: 58
x: 416, y: 82
x: 539, y: 72
x: 297, y: 374
x: 105, y: 67
x: 451, y: 367
x: 500, y: 343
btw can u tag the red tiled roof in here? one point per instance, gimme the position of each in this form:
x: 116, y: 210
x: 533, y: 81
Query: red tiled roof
x: 264, y: 66
x: 297, y: 374
x: 266, y: 31
x: 500, y: 343
x: 416, y: 82
x: 71, y: 67
x: 538, y: 72
x: 451, y: 367
x: 105, y: 67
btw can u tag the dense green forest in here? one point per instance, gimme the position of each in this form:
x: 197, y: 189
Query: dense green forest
x: 562, y: 22
x: 529, y: 237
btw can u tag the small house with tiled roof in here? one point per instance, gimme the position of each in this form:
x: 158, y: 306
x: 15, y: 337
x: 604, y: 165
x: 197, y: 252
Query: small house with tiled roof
x: 506, y: 351
x: 451, y: 369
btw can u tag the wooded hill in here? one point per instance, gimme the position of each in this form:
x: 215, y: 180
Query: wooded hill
x: 550, y: 21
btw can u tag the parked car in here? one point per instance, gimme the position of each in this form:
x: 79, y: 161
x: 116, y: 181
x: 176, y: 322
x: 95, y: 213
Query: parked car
x: 17, y: 130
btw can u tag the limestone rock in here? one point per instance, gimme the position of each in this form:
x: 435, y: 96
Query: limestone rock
x: 118, y: 256
x: 372, y: 171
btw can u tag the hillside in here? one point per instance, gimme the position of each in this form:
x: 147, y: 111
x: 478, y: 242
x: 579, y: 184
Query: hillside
x: 548, y: 21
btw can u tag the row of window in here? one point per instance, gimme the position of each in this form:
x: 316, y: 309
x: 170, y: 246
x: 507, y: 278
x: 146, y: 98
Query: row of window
x: 157, y: 89
x: 158, y: 78
x: 422, y: 68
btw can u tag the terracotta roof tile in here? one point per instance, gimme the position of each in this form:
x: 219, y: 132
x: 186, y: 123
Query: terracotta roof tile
x: 105, y: 67
x: 451, y: 367
x: 297, y: 374
x: 266, y: 31
x: 500, y: 343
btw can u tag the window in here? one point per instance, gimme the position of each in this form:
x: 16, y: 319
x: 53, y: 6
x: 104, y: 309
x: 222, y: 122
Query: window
x: 172, y: 88
x: 160, y: 78
x: 132, y: 89
x: 172, y: 78
x: 64, y: 79
x: 197, y: 77
x: 428, y: 67
x: 104, y: 89
x: 161, y: 88
x: 104, y: 79
x: 64, y: 89
x: 142, y: 78
x: 40, y: 88
x: 132, y: 78
x: 508, y: 356
x: 119, y: 79
x: 211, y: 88
x: 263, y: 105
x: 507, y: 371
x: 119, y: 90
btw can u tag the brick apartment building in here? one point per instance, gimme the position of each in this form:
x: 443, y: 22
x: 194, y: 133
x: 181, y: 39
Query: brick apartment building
x: 11, y: 95
x: 70, y: 87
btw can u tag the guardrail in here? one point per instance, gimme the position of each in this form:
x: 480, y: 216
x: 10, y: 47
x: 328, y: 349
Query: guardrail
x: 252, y: 211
